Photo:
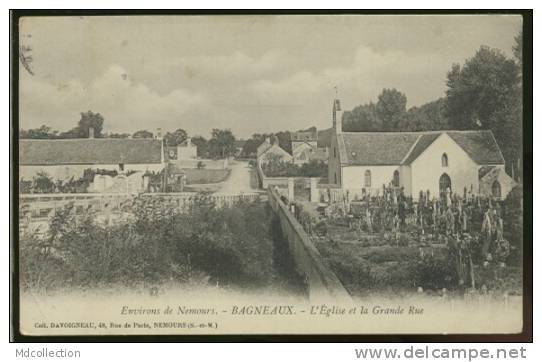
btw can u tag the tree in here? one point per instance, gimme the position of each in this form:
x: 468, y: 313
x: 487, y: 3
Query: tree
x: 43, y: 132
x: 485, y: 94
x: 362, y: 118
x: 428, y: 117
x: 285, y: 141
x: 251, y: 145
x: 43, y: 183
x: 142, y: 134
x: 118, y: 135
x: 390, y: 107
x: 518, y: 48
x: 221, y: 143
x: 88, y: 119
x: 201, y: 144
x: 175, y: 138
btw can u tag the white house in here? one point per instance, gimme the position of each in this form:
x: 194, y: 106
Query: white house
x: 308, y: 145
x: 62, y: 159
x: 304, y: 137
x: 186, y: 150
x: 416, y: 161
x: 270, y: 150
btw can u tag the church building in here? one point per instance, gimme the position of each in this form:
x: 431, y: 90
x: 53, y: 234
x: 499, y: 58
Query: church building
x: 362, y: 162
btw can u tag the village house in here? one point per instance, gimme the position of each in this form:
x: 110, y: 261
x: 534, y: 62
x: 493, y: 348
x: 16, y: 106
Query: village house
x: 434, y: 161
x: 306, y: 146
x: 270, y: 150
x: 62, y: 159
x: 186, y: 150
x: 304, y: 138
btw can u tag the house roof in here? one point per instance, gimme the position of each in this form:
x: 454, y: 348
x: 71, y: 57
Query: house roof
x: 263, y: 147
x: 275, y: 149
x: 394, y: 148
x: 90, y: 151
x: 485, y: 170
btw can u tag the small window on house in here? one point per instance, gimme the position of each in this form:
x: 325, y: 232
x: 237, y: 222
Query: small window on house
x: 367, y: 178
x: 444, y: 160
x: 335, y: 177
x: 396, y: 178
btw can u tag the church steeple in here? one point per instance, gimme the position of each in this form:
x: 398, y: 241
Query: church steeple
x: 337, y: 113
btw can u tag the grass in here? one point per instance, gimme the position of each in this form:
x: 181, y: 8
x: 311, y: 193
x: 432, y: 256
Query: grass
x: 372, y: 263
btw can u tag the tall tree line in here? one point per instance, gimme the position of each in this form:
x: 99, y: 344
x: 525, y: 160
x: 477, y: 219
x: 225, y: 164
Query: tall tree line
x: 483, y: 93
x: 220, y: 145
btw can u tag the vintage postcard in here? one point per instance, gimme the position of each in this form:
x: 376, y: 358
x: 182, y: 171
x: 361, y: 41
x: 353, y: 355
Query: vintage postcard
x: 250, y: 174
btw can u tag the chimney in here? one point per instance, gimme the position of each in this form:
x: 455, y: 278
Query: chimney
x: 188, y: 142
x: 159, y: 133
x: 337, y: 116
x: 90, y: 132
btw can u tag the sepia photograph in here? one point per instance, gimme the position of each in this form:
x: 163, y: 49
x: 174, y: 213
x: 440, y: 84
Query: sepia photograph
x: 270, y: 174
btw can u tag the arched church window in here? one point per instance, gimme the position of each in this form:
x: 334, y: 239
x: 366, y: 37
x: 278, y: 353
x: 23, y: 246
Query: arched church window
x: 444, y: 160
x: 367, y: 178
x: 445, y: 183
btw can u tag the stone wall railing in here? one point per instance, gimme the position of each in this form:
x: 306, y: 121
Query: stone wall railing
x: 322, y: 283
x: 44, y: 206
x: 266, y: 181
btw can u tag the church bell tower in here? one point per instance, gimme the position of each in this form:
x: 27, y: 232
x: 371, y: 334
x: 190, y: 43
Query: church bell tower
x: 337, y: 113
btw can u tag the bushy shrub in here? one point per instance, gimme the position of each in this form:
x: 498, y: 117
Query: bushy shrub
x: 276, y: 168
x: 42, y: 183
x: 229, y: 245
x: 513, y: 223
x: 355, y: 274
x: 435, y: 272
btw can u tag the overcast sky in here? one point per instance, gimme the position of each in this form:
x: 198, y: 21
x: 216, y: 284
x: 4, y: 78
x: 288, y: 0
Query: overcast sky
x: 247, y: 73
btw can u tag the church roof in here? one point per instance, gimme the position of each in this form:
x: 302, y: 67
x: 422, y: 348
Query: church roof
x: 395, y: 148
x: 374, y: 148
x: 82, y: 151
x: 481, y: 146
x: 421, y: 144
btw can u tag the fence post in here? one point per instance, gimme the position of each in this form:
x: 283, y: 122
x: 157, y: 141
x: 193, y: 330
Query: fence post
x: 291, y: 189
x: 314, y: 190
